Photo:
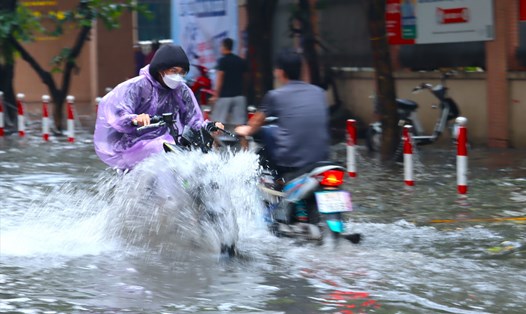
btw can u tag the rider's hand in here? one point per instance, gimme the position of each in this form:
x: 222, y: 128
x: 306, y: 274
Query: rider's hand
x: 142, y: 119
x: 243, y: 130
x: 220, y: 125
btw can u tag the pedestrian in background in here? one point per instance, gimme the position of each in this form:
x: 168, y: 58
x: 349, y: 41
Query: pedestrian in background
x: 230, y: 105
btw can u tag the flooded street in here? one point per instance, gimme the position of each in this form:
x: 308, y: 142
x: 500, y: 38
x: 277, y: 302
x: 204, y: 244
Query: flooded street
x: 76, y: 237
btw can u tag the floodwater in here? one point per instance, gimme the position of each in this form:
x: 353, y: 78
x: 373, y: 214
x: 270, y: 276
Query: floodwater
x: 76, y: 237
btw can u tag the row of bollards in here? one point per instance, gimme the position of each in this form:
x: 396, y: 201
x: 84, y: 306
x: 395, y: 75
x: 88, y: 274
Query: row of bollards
x: 45, y: 117
x: 460, y: 133
x: 462, y: 153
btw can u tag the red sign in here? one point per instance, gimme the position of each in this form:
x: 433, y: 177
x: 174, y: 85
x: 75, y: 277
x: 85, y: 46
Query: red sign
x: 522, y: 15
x: 393, y: 24
x: 452, y: 15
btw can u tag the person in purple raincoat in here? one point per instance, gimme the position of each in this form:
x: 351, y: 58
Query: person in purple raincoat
x: 158, y: 89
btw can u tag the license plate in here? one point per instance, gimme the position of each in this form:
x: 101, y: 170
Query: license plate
x: 333, y: 201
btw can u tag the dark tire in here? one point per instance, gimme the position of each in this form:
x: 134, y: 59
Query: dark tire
x: 398, y: 155
x: 354, y: 238
x: 228, y: 250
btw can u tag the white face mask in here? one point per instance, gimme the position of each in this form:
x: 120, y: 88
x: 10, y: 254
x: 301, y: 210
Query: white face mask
x: 173, y: 80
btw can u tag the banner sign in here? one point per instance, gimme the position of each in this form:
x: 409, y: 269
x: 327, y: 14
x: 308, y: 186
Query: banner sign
x: 199, y: 26
x: 439, y: 21
x: 400, y: 31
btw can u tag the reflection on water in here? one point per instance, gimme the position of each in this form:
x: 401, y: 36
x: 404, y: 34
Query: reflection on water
x: 76, y: 237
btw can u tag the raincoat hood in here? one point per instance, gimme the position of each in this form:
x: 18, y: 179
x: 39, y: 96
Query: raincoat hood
x: 169, y: 56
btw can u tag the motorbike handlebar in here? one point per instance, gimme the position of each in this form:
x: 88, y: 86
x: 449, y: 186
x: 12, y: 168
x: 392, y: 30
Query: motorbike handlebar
x: 160, y: 120
x: 153, y: 120
x: 153, y: 125
x: 421, y: 87
x: 211, y: 127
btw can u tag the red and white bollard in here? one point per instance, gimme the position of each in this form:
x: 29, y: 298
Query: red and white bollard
x: 97, y: 102
x: 351, y: 147
x: 71, y: 119
x: 2, y: 123
x: 45, y: 117
x: 462, y: 155
x: 21, y: 122
x: 251, y: 110
x: 408, y: 156
x: 206, y: 114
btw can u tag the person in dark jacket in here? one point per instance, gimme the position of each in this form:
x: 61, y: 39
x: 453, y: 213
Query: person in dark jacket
x: 301, y: 135
x: 230, y: 105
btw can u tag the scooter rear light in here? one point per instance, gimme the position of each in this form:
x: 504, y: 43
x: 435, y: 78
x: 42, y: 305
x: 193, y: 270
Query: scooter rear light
x: 332, y: 178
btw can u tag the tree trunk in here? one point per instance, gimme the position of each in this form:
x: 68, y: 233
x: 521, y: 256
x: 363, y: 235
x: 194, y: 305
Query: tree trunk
x: 260, y: 19
x: 385, y: 87
x: 308, y: 41
x: 58, y: 95
x: 6, y: 86
x: 7, y: 73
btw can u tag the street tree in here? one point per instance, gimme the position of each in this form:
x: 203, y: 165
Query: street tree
x: 260, y: 20
x: 385, y: 86
x: 20, y: 25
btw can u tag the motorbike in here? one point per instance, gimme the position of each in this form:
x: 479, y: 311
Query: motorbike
x: 407, y: 111
x: 309, y: 204
x: 204, y: 139
x: 201, y: 86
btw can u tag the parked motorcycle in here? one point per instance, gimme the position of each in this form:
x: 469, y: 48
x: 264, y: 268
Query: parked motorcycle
x: 201, y: 86
x: 309, y: 204
x: 407, y: 111
x: 204, y: 139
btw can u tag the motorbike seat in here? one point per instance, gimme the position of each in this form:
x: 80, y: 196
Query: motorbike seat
x: 296, y: 173
x: 406, y: 104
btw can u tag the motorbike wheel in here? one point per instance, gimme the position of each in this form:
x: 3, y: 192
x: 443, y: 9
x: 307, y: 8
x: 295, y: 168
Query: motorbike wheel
x: 331, y: 235
x: 373, y: 139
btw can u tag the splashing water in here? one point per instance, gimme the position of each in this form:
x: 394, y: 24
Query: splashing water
x: 171, y: 202
x: 188, y: 199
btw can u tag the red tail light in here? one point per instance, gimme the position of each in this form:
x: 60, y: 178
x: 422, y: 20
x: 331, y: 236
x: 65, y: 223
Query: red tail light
x: 332, y: 178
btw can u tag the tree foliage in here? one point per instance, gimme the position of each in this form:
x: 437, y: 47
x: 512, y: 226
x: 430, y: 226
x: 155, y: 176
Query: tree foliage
x: 19, y: 24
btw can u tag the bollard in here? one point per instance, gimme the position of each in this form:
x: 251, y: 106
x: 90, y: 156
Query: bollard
x: 408, y: 156
x: 45, y: 118
x: 462, y: 155
x: 206, y: 114
x: 2, y: 124
x: 351, y: 147
x: 21, y: 122
x: 251, y: 111
x: 97, y: 101
x: 71, y: 119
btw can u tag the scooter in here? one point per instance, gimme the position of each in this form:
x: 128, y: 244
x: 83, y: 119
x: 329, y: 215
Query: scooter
x: 407, y: 111
x: 204, y: 139
x: 310, y: 205
x: 202, y: 85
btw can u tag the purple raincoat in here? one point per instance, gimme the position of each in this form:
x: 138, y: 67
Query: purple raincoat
x: 116, y: 140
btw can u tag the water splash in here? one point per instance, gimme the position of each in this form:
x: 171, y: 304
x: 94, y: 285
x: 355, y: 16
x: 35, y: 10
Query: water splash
x: 178, y: 201
x: 188, y: 200
x: 66, y: 223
